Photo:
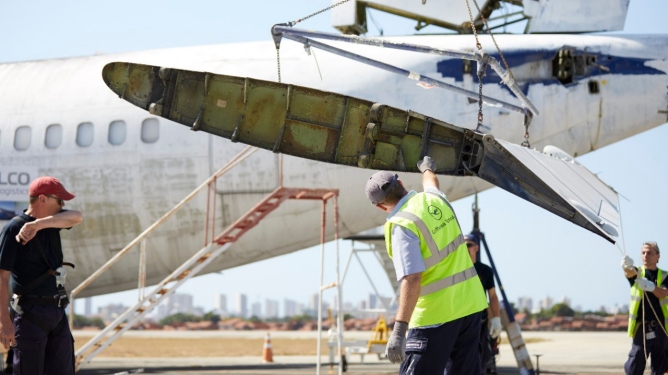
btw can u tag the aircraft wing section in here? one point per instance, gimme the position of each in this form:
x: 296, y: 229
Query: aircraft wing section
x: 560, y: 186
x: 343, y: 130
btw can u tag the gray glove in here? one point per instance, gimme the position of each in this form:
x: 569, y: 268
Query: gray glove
x: 396, y: 345
x: 426, y: 164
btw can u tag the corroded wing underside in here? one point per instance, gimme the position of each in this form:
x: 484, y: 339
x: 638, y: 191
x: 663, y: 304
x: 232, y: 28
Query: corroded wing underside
x: 340, y: 129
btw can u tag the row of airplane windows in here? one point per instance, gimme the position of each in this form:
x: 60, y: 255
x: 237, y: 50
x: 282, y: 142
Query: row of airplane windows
x: 117, y: 134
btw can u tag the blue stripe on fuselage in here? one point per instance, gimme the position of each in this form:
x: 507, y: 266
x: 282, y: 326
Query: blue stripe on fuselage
x: 454, y: 68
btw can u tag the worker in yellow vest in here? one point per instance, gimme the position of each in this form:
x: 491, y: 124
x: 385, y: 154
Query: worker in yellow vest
x: 648, y: 312
x: 441, y: 297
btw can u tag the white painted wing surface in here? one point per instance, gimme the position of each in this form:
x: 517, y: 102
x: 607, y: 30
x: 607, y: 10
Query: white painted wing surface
x: 562, y: 187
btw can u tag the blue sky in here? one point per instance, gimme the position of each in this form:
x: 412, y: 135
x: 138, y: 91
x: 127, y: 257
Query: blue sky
x: 537, y: 254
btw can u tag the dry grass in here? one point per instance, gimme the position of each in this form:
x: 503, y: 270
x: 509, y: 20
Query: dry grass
x: 132, y: 347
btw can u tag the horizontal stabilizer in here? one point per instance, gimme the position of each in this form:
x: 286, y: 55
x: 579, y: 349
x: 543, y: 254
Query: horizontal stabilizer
x: 559, y: 185
x: 343, y: 130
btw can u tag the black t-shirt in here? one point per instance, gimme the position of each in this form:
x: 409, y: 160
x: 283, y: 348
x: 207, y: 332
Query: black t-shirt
x: 486, y: 278
x: 651, y: 275
x: 25, y: 261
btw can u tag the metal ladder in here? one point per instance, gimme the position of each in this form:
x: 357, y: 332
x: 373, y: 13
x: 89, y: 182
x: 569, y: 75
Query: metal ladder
x: 192, y: 266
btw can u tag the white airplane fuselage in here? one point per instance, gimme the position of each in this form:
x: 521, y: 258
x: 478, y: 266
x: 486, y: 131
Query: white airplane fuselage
x: 617, y: 88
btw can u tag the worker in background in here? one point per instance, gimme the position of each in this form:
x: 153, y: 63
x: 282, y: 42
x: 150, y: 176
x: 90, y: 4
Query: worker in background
x: 648, y: 312
x: 490, y: 327
x: 441, y: 297
x: 31, y: 260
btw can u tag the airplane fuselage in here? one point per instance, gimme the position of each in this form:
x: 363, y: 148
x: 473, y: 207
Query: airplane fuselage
x: 128, y: 168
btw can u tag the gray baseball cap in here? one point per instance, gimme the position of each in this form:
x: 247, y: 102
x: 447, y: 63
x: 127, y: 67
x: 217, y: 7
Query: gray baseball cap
x: 379, y: 184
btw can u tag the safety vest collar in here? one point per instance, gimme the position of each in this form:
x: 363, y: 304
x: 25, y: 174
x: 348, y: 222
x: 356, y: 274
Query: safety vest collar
x: 401, y: 203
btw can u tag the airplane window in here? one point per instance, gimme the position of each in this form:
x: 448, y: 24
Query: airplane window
x: 85, y: 134
x: 150, y: 130
x: 117, y: 132
x: 22, y: 137
x: 54, y: 136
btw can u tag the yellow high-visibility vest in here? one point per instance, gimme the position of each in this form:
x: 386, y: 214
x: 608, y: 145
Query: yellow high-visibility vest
x: 450, y: 287
x: 636, y: 300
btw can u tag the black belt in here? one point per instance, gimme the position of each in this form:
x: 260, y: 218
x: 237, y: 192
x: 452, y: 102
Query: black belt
x: 39, y: 300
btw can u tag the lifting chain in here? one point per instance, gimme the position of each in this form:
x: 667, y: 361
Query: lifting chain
x: 292, y: 23
x: 528, y: 116
x: 481, y: 72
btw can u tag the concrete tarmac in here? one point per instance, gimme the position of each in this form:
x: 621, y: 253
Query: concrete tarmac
x: 577, y: 353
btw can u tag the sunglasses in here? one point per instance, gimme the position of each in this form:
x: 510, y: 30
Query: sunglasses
x: 60, y: 201
x: 470, y: 244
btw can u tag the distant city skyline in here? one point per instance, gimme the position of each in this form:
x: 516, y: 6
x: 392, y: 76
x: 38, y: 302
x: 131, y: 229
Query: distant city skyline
x: 271, y: 308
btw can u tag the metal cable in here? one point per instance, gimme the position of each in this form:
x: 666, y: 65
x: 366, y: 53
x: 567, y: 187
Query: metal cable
x: 489, y: 31
x: 278, y: 56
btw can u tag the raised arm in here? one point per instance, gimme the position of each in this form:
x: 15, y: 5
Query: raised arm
x: 427, y: 166
x: 64, y: 219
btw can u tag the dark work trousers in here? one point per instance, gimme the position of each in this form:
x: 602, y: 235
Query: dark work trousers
x: 485, y: 351
x: 428, y: 349
x: 485, y: 348
x: 656, y: 349
x: 38, y: 354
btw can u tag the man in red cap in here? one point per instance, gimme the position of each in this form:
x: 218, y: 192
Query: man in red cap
x: 31, y: 260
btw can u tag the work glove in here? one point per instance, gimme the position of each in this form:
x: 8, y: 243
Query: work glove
x: 627, y: 262
x: 396, y: 345
x: 426, y: 164
x: 645, y: 284
x: 495, y: 327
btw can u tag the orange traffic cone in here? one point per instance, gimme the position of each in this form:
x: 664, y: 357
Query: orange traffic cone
x: 267, y: 355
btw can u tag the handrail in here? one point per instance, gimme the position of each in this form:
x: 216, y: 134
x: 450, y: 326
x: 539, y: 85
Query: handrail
x: 243, y: 154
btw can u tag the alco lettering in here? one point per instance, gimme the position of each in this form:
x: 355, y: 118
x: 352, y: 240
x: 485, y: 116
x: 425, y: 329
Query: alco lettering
x: 14, y: 178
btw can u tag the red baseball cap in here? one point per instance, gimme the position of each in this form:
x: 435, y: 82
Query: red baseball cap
x: 49, y: 186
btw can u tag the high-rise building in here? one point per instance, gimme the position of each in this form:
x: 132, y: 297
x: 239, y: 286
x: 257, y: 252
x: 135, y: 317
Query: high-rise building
x: 256, y: 309
x: 546, y: 303
x: 220, y: 304
x: 111, y: 311
x: 179, y: 303
x: 300, y: 309
x: 88, y: 311
x: 313, y: 302
x: 372, y: 301
x: 271, y: 309
x: 289, y: 308
x: 524, y: 304
x: 240, y: 305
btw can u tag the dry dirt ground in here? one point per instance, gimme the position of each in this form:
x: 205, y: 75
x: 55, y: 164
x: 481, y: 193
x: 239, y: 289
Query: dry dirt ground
x: 135, y: 347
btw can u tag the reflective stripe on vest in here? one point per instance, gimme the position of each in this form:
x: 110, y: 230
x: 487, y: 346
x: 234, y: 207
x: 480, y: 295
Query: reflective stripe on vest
x: 447, y: 282
x: 636, y: 301
x: 436, y: 254
x: 450, y: 288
